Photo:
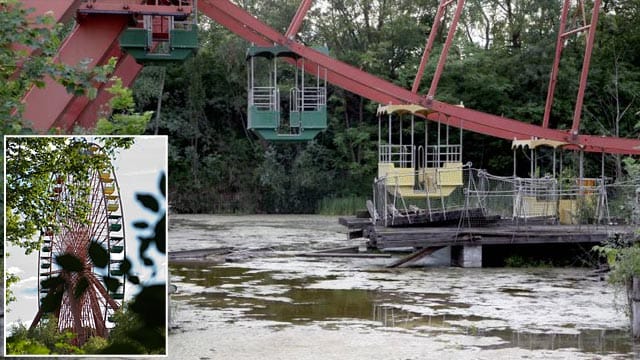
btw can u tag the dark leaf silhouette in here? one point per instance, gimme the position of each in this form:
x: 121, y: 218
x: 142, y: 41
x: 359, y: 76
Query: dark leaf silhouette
x: 81, y: 286
x: 163, y: 185
x: 111, y: 283
x: 125, y: 266
x: 148, y: 201
x: 141, y: 224
x: 52, y: 301
x: 161, y: 235
x: 99, y: 255
x: 69, y: 262
x: 150, y: 305
x: 52, y: 282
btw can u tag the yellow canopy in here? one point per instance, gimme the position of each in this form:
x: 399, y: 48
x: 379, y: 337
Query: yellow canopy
x: 404, y: 109
x: 534, y: 143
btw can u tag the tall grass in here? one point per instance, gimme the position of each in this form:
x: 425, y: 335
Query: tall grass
x: 341, y: 205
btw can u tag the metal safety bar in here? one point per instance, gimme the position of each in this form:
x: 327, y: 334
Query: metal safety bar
x: 398, y: 155
x: 307, y: 98
x: 264, y: 98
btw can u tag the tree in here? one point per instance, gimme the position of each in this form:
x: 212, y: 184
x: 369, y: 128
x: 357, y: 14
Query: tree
x: 30, y: 164
x: 44, y: 339
x: 123, y: 120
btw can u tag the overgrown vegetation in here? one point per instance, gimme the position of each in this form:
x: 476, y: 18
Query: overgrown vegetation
x: 341, y: 206
x: 518, y: 261
x: 129, y: 336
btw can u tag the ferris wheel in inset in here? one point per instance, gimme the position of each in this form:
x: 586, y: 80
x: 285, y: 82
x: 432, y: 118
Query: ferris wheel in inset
x: 86, y: 305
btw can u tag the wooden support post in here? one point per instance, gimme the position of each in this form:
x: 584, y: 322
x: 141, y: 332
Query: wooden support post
x: 419, y: 254
x: 634, y: 302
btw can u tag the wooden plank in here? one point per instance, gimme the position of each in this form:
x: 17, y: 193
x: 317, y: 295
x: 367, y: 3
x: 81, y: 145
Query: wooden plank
x: 415, y: 256
x: 344, y: 255
x: 350, y: 249
x: 354, y: 222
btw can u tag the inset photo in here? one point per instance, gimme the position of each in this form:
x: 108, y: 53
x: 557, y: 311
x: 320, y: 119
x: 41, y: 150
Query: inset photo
x: 85, y: 265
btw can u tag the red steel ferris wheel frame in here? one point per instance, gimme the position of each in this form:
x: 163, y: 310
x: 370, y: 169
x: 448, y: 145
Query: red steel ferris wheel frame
x: 369, y: 86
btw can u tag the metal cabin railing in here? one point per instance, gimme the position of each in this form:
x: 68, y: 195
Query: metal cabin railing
x: 307, y: 99
x: 436, y: 155
x: 401, y: 156
x: 264, y: 98
x: 522, y: 200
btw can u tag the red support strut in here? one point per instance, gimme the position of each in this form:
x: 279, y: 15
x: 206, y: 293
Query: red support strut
x: 556, y: 64
x: 445, y: 50
x: 429, y: 45
x: 562, y: 36
x: 296, y: 22
x: 577, y: 113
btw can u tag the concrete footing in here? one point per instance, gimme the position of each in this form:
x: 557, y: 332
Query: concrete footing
x: 467, y: 256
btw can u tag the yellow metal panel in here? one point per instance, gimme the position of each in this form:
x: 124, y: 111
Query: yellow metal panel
x: 404, y: 109
x: 568, y: 212
x: 450, y: 175
x: 534, y: 143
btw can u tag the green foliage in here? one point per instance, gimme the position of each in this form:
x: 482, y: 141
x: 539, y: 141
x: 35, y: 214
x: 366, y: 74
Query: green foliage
x: 624, y: 262
x: 122, y: 338
x: 43, y: 339
x: 95, y: 345
x: 29, y: 205
x: 123, y: 119
x: 24, y: 346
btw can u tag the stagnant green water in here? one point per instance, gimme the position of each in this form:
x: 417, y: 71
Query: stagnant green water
x: 271, y: 303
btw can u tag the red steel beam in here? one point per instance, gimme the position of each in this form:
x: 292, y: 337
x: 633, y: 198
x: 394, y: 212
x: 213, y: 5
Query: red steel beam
x: 556, y: 64
x: 429, y: 45
x: 60, y: 10
x: 77, y: 104
x: 120, y: 8
x: 577, y: 113
x: 127, y: 69
x: 445, y: 49
x: 92, y: 40
x: 376, y: 89
x: 296, y: 22
x: 562, y: 36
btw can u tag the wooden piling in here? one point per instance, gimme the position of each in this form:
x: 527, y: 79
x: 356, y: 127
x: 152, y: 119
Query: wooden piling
x: 634, y: 302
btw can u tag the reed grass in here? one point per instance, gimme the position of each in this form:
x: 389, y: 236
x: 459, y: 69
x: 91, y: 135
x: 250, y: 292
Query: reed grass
x: 341, y: 205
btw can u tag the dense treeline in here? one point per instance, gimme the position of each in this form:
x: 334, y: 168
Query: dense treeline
x: 499, y: 64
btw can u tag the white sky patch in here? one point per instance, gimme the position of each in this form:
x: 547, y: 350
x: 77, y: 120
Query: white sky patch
x: 28, y: 281
x: 14, y: 270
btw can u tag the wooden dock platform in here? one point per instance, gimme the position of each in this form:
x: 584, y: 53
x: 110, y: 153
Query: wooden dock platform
x: 383, y: 237
x: 504, y: 232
